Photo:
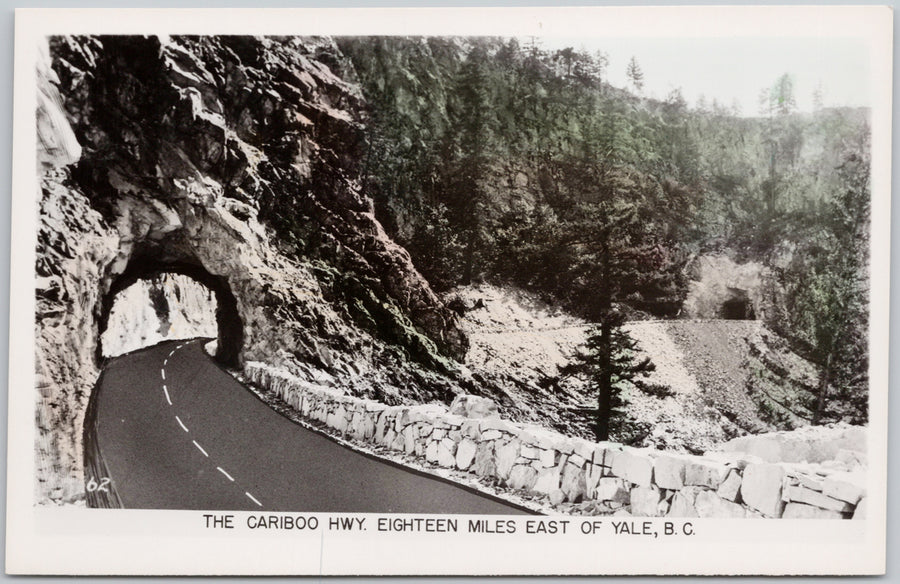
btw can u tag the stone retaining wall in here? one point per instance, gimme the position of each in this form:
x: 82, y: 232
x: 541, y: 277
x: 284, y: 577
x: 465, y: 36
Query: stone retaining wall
x: 600, y: 477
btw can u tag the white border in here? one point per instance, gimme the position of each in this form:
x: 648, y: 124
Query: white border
x: 77, y: 541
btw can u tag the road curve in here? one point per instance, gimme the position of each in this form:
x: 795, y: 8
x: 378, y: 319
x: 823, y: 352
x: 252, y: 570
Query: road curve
x: 177, y: 432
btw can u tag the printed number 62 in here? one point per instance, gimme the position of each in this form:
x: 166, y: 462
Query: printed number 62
x: 93, y: 485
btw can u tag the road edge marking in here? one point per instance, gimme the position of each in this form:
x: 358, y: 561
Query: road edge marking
x: 200, y: 448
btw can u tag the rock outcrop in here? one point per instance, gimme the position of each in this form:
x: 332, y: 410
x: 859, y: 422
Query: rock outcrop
x: 235, y: 159
x: 164, y: 307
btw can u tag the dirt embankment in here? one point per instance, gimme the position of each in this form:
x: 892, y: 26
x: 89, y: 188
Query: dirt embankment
x: 718, y: 372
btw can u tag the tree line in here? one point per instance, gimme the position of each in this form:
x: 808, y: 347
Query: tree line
x: 492, y: 160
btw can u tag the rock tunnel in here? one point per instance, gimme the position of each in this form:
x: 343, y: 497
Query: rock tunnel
x: 737, y: 306
x: 222, y: 304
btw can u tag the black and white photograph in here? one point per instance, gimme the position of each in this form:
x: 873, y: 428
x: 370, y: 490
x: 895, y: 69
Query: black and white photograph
x: 579, y: 279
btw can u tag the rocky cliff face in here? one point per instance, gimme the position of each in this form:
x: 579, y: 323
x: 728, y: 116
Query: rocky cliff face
x: 165, y: 307
x: 234, y: 159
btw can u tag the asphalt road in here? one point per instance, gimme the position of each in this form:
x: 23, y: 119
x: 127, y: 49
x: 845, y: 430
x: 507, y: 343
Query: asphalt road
x: 178, y: 432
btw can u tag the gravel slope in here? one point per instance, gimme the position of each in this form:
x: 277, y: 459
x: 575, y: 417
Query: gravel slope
x: 519, y: 342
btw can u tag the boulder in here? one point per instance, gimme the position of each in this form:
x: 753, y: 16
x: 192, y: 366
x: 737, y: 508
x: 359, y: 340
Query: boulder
x: 547, y: 458
x: 668, y: 471
x: 592, y: 475
x: 849, y: 487
x: 801, y: 511
x: 808, y: 444
x: 465, y: 454
x: 709, y: 504
x: 506, y: 457
x: 612, y: 489
x: 557, y: 496
x: 798, y: 494
x: 761, y: 488
x: 730, y: 489
x: 522, y: 477
x: 484, y: 464
x: 703, y: 473
x: 431, y: 451
x: 633, y: 466
x: 645, y: 501
x: 683, y: 503
x: 445, y: 455
x: 573, y: 483
x: 474, y: 406
x: 547, y: 481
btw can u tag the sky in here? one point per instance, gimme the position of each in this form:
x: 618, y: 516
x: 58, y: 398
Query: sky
x: 736, y: 69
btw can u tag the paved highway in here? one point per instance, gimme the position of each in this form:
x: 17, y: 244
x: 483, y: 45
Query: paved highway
x: 178, y: 432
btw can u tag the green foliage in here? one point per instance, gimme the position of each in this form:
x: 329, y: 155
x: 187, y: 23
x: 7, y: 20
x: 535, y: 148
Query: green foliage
x: 492, y: 160
x: 826, y: 292
x: 608, y: 364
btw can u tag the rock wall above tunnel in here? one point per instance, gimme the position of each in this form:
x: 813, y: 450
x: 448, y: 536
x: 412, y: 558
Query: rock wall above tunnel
x: 723, y: 288
x: 238, y: 156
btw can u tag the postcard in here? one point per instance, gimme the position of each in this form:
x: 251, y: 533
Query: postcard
x: 450, y: 291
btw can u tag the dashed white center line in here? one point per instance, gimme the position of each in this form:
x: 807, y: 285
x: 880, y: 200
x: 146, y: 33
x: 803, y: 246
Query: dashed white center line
x: 162, y: 372
x: 200, y: 448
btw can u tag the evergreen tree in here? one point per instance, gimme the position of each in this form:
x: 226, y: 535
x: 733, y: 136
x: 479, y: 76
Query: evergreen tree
x: 608, y: 364
x: 635, y: 75
x: 827, y: 295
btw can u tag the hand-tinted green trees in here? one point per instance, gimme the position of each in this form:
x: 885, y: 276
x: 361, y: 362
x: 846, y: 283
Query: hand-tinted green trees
x: 827, y: 293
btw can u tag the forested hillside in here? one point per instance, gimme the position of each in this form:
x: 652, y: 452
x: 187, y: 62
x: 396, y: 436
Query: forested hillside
x: 494, y: 160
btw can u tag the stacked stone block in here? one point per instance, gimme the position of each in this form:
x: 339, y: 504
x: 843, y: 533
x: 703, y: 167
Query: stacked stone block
x: 617, y: 479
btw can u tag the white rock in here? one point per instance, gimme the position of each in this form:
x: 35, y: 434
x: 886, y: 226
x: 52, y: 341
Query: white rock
x: 431, y: 451
x: 761, y: 487
x: 506, y: 458
x: 703, y: 473
x: 488, y: 435
x: 445, y: 455
x: 798, y: 494
x: 668, y: 471
x: 801, y: 511
x: 547, y: 458
x: 473, y: 406
x: 849, y: 487
x: 645, y: 501
x: 557, y: 497
x: 465, y: 454
x: 612, y: 489
x: 573, y: 483
x: 683, y: 504
x: 731, y: 487
x: 709, y: 504
x: 547, y: 481
x: 592, y: 475
x: 522, y: 477
x: 635, y: 467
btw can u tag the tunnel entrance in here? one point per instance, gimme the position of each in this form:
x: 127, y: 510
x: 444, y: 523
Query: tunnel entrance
x: 738, y: 306
x: 153, y: 301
